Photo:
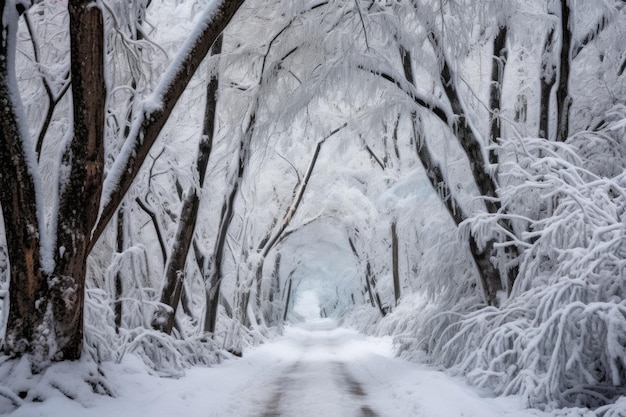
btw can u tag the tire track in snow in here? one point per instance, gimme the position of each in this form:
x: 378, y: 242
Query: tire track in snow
x: 295, y: 381
x: 355, y: 388
x: 272, y: 408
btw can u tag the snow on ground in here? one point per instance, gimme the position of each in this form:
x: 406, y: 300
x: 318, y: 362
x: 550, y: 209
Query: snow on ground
x: 314, y: 369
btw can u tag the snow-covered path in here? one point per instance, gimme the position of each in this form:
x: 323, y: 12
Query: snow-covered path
x: 316, y: 369
x: 325, y: 370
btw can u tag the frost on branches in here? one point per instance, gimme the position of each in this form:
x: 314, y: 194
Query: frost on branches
x: 559, y: 339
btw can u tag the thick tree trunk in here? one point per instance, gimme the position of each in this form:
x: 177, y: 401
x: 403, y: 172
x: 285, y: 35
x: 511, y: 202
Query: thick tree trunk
x: 18, y: 196
x: 80, y: 190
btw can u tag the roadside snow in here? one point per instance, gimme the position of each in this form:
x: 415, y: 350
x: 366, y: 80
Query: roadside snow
x: 315, y: 369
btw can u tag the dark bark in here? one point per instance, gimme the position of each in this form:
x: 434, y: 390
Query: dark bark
x: 499, y: 60
x: 463, y: 132
x: 274, y: 289
x: 563, y: 98
x: 394, y: 263
x: 488, y: 274
x: 28, y: 285
x: 81, y: 186
x: 216, y: 274
x: 495, y: 90
x: 175, y: 268
x: 286, y: 310
x: 368, y: 276
x: 118, y: 280
x: 547, y: 81
x: 80, y: 192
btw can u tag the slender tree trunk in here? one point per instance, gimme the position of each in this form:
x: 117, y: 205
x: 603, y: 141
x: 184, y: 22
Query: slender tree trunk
x: 368, y: 279
x: 118, y: 280
x: 216, y: 274
x: 394, y: 260
x: 547, y: 81
x: 563, y: 98
x: 286, y: 310
x: 175, y: 268
x: 489, y: 275
x: 495, y: 101
x: 495, y: 91
x: 471, y: 146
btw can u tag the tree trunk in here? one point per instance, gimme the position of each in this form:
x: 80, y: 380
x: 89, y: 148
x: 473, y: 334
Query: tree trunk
x: 175, y: 268
x: 269, y: 310
x: 286, y: 310
x: 28, y: 287
x: 394, y: 261
x: 495, y: 101
x: 563, y: 98
x: 489, y: 275
x: 469, y: 142
x: 547, y: 81
x: 495, y: 90
x: 118, y: 279
x: 216, y: 274
x: 368, y: 275
x: 80, y: 191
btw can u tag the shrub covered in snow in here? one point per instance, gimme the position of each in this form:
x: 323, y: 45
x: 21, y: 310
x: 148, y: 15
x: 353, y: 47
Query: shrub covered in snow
x: 559, y: 338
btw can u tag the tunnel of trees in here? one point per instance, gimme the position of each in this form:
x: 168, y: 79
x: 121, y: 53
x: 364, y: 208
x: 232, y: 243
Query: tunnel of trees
x: 447, y: 172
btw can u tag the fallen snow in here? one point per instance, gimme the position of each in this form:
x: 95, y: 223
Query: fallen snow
x: 314, y: 369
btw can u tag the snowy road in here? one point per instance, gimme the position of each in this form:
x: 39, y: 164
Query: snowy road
x: 320, y: 381
x: 325, y: 370
x: 313, y: 370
